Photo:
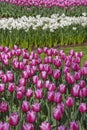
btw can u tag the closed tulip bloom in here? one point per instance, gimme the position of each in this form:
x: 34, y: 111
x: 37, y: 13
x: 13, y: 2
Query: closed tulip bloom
x: 35, y: 79
x: 5, y: 126
x: 80, y: 54
x: 75, y: 90
x: 46, y: 84
x: 57, y: 62
x: 45, y: 126
x: 62, y: 127
x: 2, y: 87
x: 82, y: 107
x: 19, y: 95
x: 41, y: 67
x: 16, y: 65
x: 11, y: 87
x: 31, y: 116
x: 69, y: 101
x: 50, y: 96
x: 27, y: 126
x: 29, y: 93
x: 57, y: 97
x: 39, y: 93
x: 57, y: 114
x: 62, y: 88
x: 25, y: 74
x: 4, y: 78
x: 84, y: 71
x: 82, y: 83
x: 39, y: 50
x: 39, y: 84
x: 70, y: 78
x: 25, y: 106
x: 75, y: 67
x: 1, y: 125
x: 43, y: 74
x: 77, y: 75
x: 14, y: 119
x: 3, y: 106
x: 56, y: 74
x: 45, y: 49
x: 61, y: 106
x: 74, y: 125
x: 72, y: 52
x: 1, y: 73
x: 36, y: 107
x: 66, y: 69
x: 52, y: 87
x: 10, y: 76
x: 22, y: 81
x: 84, y: 92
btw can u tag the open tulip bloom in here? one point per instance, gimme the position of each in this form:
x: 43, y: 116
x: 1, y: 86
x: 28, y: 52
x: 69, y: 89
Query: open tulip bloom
x: 42, y: 90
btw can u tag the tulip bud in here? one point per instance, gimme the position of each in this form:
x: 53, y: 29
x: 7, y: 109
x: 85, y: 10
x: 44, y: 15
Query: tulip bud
x: 75, y: 90
x: 43, y: 74
x: 31, y: 116
x: 35, y: 79
x: 62, y: 127
x: 56, y: 74
x: 27, y: 126
x: 82, y: 83
x: 14, y: 119
x: 39, y: 84
x: 22, y: 82
x: 45, y: 126
x: 50, y: 96
x: 25, y: 106
x: 2, y: 87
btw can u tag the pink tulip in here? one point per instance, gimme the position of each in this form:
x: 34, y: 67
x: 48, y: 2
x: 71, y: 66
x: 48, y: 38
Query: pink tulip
x: 50, y: 96
x: 75, y: 90
x: 57, y: 114
x: 56, y: 74
x: 45, y: 126
x: 39, y: 93
x: 27, y: 126
x: 62, y: 88
x: 62, y: 127
x: 14, y: 119
x: 44, y: 75
x: 57, y: 97
x: 36, y: 107
x: 83, y: 107
x: 31, y: 116
x: 74, y: 125
x: 22, y: 81
x: 69, y: 101
x: 3, y: 106
x: 82, y: 83
x: 25, y: 106
x: 39, y: 84
x: 11, y: 87
x: 52, y: 87
x: 2, y: 87
x: 29, y: 93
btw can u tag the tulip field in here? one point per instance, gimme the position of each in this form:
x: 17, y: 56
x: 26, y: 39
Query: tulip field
x: 43, y: 64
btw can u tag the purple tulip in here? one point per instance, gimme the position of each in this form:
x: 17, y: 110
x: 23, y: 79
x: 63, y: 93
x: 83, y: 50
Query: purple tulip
x: 50, y: 96
x: 52, y: 87
x: 22, y: 81
x: 31, y: 116
x: 74, y: 125
x: 2, y: 87
x: 27, y: 126
x: 45, y: 126
x: 75, y: 90
x: 25, y: 106
x: 36, y: 107
x: 3, y: 106
x: 56, y: 74
x: 35, y: 79
x: 57, y: 114
x: 29, y: 93
x: 39, y: 84
x: 61, y: 106
x: 62, y: 127
x: 62, y: 88
x: 5, y: 126
x: 44, y: 75
x: 69, y: 101
x: 39, y: 93
x: 82, y: 83
x: 14, y: 119
x: 11, y: 87
x: 82, y: 107
x: 57, y: 97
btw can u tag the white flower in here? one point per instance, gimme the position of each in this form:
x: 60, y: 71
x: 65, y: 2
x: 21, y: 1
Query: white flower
x: 74, y: 28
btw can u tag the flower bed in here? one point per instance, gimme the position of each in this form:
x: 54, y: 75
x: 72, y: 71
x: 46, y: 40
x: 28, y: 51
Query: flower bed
x: 41, y: 89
